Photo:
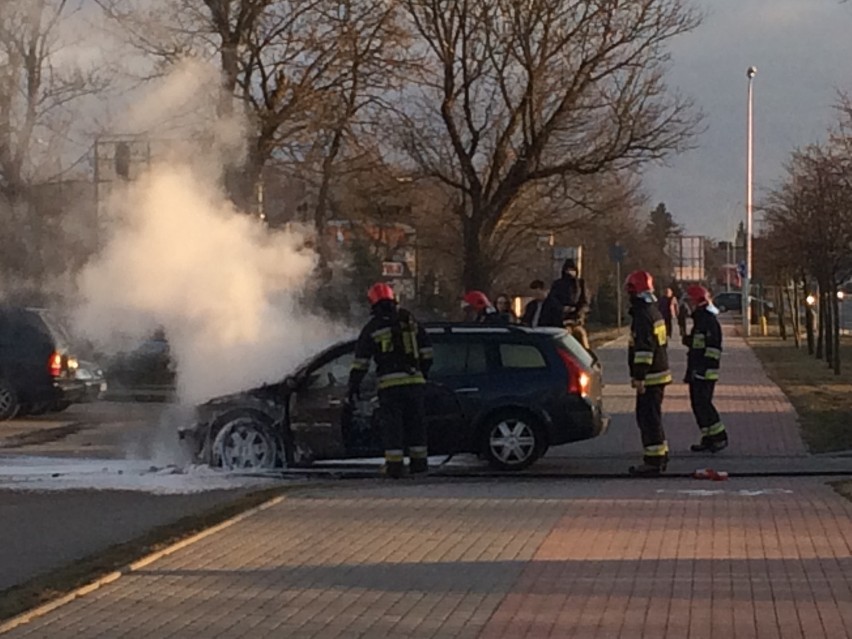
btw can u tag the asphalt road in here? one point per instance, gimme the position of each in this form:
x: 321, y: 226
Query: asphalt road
x: 45, y: 531
x: 42, y: 531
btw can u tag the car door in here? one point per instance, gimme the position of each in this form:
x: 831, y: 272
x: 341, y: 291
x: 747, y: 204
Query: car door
x: 321, y: 419
x: 461, y: 364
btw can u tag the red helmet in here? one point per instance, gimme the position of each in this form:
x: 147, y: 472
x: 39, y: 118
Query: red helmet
x: 639, y: 282
x: 380, y: 292
x: 477, y: 299
x: 697, y: 294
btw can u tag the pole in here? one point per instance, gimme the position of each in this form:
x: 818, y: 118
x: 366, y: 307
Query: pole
x: 728, y: 267
x: 752, y: 71
x: 618, y: 289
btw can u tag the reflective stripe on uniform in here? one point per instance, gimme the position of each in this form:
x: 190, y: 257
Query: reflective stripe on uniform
x: 658, y: 450
x: 643, y: 357
x: 393, y: 455
x: 417, y: 452
x: 400, y: 379
x: 360, y: 364
x: 705, y: 432
x: 426, y: 353
x: 716, y: 429
x: 710, y: 375
x: 712, y: 353
x: 656, y: 379
x: 698, y: 341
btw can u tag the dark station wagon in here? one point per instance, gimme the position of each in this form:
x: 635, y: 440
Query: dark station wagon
x: 503, y: 393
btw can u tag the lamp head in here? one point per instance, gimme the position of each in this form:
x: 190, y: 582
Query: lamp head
x: 752, y: 71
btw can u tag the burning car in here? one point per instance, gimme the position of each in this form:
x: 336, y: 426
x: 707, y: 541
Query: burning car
x: 504, y: 393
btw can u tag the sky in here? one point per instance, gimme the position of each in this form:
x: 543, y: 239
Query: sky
x: 802, y: 50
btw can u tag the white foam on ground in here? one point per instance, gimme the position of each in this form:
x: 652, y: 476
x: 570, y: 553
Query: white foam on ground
x: 56, y: 474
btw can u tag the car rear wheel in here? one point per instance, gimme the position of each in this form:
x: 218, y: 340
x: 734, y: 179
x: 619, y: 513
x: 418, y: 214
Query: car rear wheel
x: 9, y: 404
x: 513, y: 440
x: 245, y: 444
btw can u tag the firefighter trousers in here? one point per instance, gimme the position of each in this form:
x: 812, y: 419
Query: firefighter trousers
x: 701, y: 399
x: 403, y: 426
x: 649, y: 417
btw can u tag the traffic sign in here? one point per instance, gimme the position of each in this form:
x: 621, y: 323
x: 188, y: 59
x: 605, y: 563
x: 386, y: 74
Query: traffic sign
x: 617, y: 253
x: 393, y: 269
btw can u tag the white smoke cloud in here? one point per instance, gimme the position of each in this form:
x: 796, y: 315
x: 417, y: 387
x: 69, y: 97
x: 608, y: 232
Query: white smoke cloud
x: 178, y: 255
x: 222, y: 285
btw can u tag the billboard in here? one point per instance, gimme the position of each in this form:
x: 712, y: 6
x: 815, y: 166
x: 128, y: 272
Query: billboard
x: 686, y: 253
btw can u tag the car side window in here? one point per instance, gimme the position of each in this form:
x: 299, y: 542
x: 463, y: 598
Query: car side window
x: 456, y: 357
x: 333, y: 374
x: 524, y: 356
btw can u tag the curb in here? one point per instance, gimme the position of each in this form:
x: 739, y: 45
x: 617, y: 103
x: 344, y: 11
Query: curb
x: 82, y: 591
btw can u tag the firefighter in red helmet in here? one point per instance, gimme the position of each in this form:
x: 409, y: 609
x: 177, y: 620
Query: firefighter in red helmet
x: 702, y: 369
x: 649, y: 371
x: 403, y: 355
x: 479, y: 309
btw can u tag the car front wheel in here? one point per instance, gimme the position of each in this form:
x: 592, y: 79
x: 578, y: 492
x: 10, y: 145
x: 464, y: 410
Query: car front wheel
x: 513, y: 440
x: 9, y: 404
x: 245, y: 444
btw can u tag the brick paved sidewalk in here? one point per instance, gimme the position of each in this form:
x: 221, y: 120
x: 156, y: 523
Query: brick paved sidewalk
x: 760, y: 420
x: 616, y: 559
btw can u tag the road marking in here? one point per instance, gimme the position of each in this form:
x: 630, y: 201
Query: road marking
x: 743, y: 492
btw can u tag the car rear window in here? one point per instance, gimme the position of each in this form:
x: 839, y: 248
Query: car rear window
x: 584, y: 357
x: 458, y: 357
x: 521, y: 356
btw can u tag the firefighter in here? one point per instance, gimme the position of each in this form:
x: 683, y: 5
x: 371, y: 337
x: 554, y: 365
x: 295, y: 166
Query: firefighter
x: 479, y: 309
x: 702, y: 369
x: 403, y: 355
x: 649, y: 371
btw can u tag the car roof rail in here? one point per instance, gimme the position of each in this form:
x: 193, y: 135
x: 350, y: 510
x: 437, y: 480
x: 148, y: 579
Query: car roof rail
x: 473, y: 327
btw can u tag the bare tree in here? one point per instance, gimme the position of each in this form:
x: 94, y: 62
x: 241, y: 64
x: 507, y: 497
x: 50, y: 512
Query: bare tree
x: 810, y: 219
x: 300, y: 70
x: 36, y: 96
x: 518, y: 92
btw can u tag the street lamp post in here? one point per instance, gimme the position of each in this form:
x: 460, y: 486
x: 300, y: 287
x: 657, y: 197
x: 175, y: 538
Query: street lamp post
x: 750, y: 73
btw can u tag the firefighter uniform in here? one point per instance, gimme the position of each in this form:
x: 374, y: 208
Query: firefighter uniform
x: 649, y: 364
x: 403, y: 355
x: 703, y: 358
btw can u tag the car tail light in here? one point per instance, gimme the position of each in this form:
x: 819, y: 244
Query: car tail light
x: 54, y: 364
x: 579, y: 380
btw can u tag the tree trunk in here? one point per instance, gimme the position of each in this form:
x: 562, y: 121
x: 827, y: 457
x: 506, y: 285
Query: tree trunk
x: 820, y: 326
x: 835, y: 305
x: 779, y: 304
x: 809, y: 317
x: 793, y: 302
x: 829, y: 325
x: 476, y: 273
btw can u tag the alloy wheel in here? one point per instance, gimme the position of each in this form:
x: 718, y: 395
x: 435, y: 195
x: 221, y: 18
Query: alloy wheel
x: 241, y: 445
x: 512, y: 441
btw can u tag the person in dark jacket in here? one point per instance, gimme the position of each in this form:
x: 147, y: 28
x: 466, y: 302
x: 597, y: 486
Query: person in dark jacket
x: 648, y: 360
x: 403, y: 355
x: 505, y: 314
x: 702, y: 370
x: 569, y: 294
x: 534, y: 308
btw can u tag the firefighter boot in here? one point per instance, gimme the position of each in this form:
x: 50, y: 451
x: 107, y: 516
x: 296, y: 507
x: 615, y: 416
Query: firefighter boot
x: 418, y: 466
x: 711, y: 443
x: 650, y: 467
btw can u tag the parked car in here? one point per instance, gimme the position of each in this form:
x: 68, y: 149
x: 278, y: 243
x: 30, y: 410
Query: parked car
x: 144, y: 373
x: 733, y: 301
x: 504, y: 393
x: 37, y: 364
